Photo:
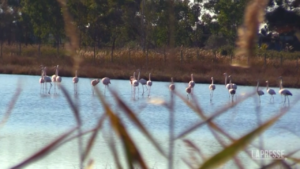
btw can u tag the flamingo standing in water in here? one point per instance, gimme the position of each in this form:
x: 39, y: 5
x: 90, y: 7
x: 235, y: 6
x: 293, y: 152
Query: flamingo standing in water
x: 188, y: 90
x: 229, y: 85
x: 172, y: 86
x: 232, y: 89
x: 192, y: 82
x: 134, y: 83
x: 42, y: 82
x: 53, y: 78
x: 132, y: 78
x: 212, y: 87
x: 47, y: 79
x: 270, y: 91
x: 94, y: 82
x: 58, y: 78
x: 75, y: 81
x: 259, y: 92
x: 105, y: 81
x: 283, y: 91
x: 149, y: 84
x: 143, y: 83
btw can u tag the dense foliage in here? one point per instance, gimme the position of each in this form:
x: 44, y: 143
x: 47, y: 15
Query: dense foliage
x: 136, y: 23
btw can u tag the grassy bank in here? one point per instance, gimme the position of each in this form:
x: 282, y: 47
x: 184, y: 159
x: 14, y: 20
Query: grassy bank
x: 162, y: 63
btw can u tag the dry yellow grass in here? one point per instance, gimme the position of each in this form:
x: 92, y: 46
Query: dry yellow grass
x: 202, y: 63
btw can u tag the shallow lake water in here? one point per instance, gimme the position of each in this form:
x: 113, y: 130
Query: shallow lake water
x: 38, y: 119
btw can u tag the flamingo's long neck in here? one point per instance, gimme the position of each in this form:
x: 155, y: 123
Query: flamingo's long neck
x: 280, y: 84
x: 267, y: 85
x: 76, y: 73
x: 150, y: 76
x: 172, y: 80
x: 192, y: 77
x: 225, y: 79
x: 257, y: 85
x: 212, y: 80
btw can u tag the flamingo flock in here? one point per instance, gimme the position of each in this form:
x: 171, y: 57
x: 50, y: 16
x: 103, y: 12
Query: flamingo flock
x: 135, y: 81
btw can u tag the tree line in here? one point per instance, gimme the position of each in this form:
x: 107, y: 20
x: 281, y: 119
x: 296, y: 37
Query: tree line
x: 134, y: 23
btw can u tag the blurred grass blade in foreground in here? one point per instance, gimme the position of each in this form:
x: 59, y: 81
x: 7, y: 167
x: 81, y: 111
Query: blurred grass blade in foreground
x: 231, y: 150
x: 132, y: 153
x: 11, y: 106
x: 136, y: 121
x: 45, y: 150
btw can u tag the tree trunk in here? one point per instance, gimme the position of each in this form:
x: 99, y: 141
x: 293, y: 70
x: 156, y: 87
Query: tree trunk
x: 297, y: 63
x: 165, y: 57
x: 39, y: 49
x: 112, y: 50
x: 181, y: 55
x: 57, y: 46
x: 129, y: 57
x: 1, y: 44
x: 20, y: 48
x: 147, y: 57
x: 265, y: 60
x: 94, y: 51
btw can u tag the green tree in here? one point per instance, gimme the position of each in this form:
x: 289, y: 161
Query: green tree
x: 46, y: 19
x: 229, y: 15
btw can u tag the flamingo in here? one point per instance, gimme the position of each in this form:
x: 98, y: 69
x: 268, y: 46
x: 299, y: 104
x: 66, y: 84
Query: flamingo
x: 232, y: 89
x: 42, y: 81
x: 270, y: 91
x: 132, y: 78
x: 53, y: 78
x: 259, y: 92
x: 232, y: 93
x: 192, y: 82
x: 58, y: 78
x: 229, y: 85
x: 188, y: 91
x: 47, y: 79
x: 105, y: 81
x: 143, y: 82
x: 134, y: 83
x: 94, y: 82
x: 75, y: 81
x: 172, y: 86
x: 138, y: 78
x: 149, y: 84
x: 283, y: 91
x: 212, y: 87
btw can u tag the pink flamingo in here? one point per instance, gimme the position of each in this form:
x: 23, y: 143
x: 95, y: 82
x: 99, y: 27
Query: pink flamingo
x: 94, y: 82
x: 212, y: 87
x: 42, y: 81
x: 270, y: 91
x: 75, y: 81
x: 105, y: 81
x: 188, y: 91
x: 47, y: 79
x: 149, y: 84
x: 284, y: 92
x: 192, y: 82
x: 172, y: 86
x: 259, y: 92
